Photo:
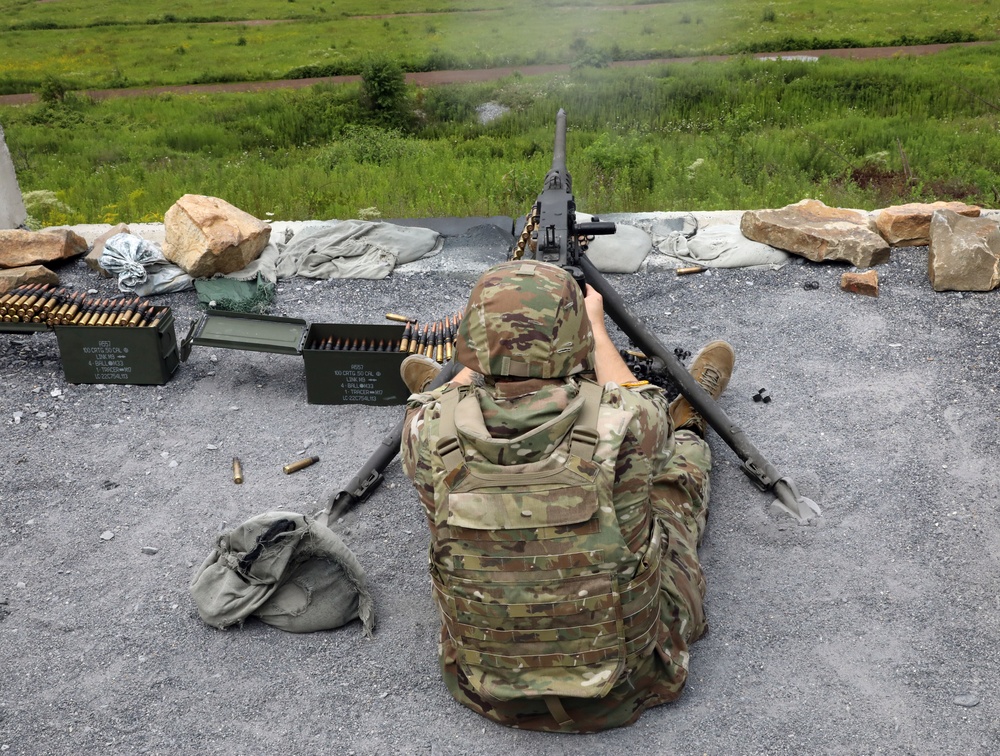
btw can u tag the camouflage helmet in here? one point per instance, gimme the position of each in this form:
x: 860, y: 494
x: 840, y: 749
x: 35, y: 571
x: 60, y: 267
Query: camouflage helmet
x: 526, y: 319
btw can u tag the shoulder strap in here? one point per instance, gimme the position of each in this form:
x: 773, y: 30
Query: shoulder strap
x: 448, y: 446
x: 584, y: 437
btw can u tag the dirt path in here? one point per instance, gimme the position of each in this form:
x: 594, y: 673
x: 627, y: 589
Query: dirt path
x: 429, y: 78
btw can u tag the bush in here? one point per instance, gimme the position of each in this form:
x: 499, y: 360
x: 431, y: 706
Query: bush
x: 622, y: 165
x: 52, y: 90
x: 369, y: 145
x: 383, y: 90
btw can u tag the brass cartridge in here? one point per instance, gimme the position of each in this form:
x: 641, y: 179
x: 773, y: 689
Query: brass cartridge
x: 109, y: 312
x: 127, y: 312
x: 300, y: 465
x: 140, y: 314
x: 237, y: 471
x: 404, y: 345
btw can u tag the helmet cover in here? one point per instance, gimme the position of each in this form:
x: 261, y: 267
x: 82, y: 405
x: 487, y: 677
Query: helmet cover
x: 526, y: 319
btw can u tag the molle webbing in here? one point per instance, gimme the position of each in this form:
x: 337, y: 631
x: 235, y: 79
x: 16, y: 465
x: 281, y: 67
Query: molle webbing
x: 538, y: 590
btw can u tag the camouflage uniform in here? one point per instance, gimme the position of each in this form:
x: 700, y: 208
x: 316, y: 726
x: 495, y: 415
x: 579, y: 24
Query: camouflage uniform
x: 659, y: 494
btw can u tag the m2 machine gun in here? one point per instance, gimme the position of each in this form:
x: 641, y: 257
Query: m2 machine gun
x: 551, y: 234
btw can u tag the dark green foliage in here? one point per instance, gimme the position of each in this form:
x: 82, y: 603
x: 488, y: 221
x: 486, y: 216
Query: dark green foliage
x: 383, y: 91
x: 446, y: 104
x: 53, y: 90
x: 367, y: 145
x: 623, y: 165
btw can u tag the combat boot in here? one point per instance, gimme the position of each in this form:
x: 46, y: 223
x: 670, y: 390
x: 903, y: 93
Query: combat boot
x: 417, y: 371
x: 711, y: 368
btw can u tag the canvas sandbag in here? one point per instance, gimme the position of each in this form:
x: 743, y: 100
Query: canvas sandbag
x: 286, y: 569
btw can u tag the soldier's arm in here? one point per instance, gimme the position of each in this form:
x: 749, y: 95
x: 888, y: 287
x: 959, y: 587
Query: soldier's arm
x: 608, y: 363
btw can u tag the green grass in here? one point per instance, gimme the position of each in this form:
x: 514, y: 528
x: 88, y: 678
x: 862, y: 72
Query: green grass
x: 156, y: 43
x: 743, y: 134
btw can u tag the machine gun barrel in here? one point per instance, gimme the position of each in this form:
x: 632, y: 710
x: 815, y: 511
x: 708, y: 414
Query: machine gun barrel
x: 557, y: 238
x: 756, y: 466
x: 558, y: 169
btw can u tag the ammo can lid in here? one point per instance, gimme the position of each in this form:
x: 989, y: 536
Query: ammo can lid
x: 251, y: 333
x: 23, y: 327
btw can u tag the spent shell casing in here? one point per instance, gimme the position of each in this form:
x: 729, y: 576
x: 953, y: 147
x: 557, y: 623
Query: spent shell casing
x: 399, y: 318
x: 237, y: 471
x: 689, y: 271
x: 300, y: 465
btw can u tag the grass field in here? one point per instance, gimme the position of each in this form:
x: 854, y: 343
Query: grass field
x: 122, y: 43
x: 670, y: 136
x: 683, y: 136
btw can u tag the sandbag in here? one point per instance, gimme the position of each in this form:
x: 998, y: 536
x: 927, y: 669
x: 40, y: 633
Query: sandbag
x: 141, y: 267
x: 286, y: 569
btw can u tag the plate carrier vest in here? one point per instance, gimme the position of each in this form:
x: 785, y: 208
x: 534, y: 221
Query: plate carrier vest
x: 534, y: 581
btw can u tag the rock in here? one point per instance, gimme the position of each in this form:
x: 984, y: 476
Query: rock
x: 107, y: 535
x: 206, y: 235
x: 12, y: 212
x: 909, y: 225
x: 812, y: 230
x: 150, y: 550
x: 11, y: 278
x: 19, y: 248
x: 861, y: 283
x: 964, y: 253
x: 93, y: 259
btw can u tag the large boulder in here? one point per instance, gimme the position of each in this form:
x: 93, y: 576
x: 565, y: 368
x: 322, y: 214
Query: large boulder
x: 910, y: 225
x: 12, y: 213
x: 964, y: 253
x: 20, y: 248
x: 812, y: 230
x: 207, y: 235
x: 11, y: 278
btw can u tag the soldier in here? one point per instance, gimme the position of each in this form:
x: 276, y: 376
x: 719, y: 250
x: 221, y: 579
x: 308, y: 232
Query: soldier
x: 566, y: 501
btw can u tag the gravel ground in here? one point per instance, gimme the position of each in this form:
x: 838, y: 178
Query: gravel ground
x: 873, y: 631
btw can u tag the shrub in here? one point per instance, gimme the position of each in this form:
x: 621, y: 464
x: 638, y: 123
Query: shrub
x: 52, y: 90
x: 622, y: 164
x: 367, y: 145
x: 383, y: 90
